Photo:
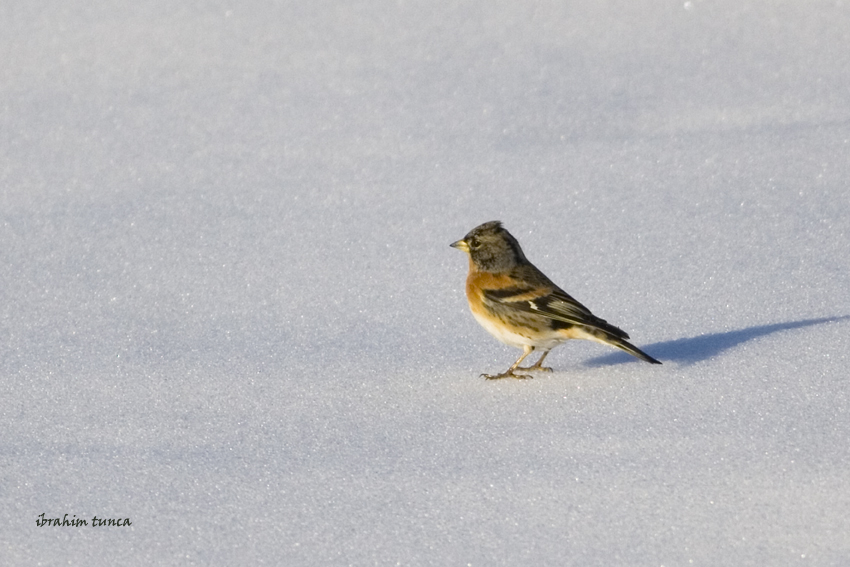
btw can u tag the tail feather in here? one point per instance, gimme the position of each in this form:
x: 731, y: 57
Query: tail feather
x: 611, y: 332
x: 608, y: 338
x: 631, y: 349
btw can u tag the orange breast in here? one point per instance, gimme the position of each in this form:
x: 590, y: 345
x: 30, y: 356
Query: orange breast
x: 477, y: 282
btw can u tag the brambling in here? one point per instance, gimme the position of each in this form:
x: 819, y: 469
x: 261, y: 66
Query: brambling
x: 521, y: 307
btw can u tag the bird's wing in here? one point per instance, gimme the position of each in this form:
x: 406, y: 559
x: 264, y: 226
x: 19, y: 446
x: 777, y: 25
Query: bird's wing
x: 551, y: 302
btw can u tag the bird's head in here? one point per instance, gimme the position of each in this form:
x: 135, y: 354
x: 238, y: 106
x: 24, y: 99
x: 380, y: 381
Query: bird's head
x: 491, y: 248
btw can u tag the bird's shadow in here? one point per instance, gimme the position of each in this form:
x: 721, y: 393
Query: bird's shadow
x: 691, y: 350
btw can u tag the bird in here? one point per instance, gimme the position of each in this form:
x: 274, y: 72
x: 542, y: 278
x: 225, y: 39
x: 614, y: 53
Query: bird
x: 517, y: 304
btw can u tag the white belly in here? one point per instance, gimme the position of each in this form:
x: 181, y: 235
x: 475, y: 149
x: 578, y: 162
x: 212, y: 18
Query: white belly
x: 547, y: 340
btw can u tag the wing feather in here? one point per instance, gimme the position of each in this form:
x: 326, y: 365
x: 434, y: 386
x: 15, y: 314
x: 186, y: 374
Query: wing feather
x: 551, y: 302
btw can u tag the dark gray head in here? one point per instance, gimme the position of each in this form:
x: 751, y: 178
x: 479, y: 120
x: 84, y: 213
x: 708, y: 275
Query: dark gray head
x: 492, y: 248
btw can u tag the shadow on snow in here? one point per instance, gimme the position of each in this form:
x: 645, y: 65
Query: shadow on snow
x: 695, y: 349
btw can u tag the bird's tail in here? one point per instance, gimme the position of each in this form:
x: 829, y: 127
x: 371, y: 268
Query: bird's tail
x: 631, y: 349
x: 606, y: 337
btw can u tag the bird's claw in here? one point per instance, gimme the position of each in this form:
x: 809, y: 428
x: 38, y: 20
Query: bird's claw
x: 536, y: 368
x: 507, y: 375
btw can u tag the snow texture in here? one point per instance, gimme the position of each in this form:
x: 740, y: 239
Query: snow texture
x: 229, y: 312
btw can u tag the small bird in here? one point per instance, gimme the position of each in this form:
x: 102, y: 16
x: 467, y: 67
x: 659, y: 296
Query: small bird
x: 521, y: 307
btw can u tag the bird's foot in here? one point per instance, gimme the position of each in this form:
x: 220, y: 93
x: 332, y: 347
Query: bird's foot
x: 508, y: 374
x: 536, y: 368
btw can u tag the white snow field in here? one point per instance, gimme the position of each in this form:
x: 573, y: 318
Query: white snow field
x: 229, y: 312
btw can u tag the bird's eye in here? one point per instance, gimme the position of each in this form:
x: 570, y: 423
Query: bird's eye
x: 473, y: 243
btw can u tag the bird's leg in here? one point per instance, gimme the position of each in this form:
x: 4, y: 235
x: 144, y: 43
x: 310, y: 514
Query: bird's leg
x: 537, y: 365
x: 509, y: 373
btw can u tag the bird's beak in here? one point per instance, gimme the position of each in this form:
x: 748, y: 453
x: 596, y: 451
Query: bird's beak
x: 460, y: 245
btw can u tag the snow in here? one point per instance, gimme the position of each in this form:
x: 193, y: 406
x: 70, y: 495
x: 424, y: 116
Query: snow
x: 229, y: 311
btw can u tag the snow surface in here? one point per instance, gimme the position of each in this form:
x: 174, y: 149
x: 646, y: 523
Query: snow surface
x: 229, y: 311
